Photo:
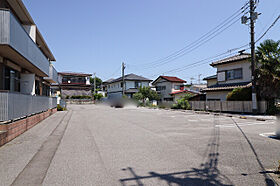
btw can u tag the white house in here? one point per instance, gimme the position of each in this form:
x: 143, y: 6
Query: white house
x: 233, y: 72
x: 132, y: 84
x: 165, y: 85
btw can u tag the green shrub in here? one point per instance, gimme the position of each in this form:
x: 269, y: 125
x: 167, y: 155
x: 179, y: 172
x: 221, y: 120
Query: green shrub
x: 183, y: 103
x: 60, y: 108
x: 67, y: 97
x: 240, y: 94
x: 97, y: 96
x: 80, y: 97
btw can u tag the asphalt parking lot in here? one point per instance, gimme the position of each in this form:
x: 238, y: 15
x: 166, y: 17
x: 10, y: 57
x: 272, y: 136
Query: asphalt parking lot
x: 100, y: 145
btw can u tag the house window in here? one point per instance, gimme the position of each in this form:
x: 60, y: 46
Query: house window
x: 177, y: 87
x: 234, y: 74
x: 160, y: 88
x: 137, y: 84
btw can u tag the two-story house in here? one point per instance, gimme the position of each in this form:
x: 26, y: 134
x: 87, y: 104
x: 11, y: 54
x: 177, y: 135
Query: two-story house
x: 233, y: 72
x: 132, y: 83
x: 166, y: 85
x: 73, y: 84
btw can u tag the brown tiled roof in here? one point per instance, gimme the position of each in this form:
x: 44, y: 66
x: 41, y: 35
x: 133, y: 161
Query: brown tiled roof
x: 239, y: 57
x: 171, y: 79
x: 229, y: 86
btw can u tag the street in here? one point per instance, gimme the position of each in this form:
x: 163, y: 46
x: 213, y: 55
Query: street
x: 100, y: 145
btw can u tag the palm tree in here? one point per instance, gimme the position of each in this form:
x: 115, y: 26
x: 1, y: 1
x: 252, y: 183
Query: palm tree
x: 268, y: 70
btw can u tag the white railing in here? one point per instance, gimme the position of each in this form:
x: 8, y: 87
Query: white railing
x: 228, y: 106
x: 16, y: 105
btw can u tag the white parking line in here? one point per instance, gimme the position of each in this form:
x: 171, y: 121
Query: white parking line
x: 243, y: 124
x: 267, y: 134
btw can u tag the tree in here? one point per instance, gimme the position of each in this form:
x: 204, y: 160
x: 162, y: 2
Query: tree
x: 268, y: 70
x: 183, y: 102
x: 146, y: 93
x: 98, y: 82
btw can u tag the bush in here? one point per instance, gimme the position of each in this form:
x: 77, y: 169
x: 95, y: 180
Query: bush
x: 80, y: 97
x: 60, y: 108
x: 240, y: 94
x: 97, y: 96
x: 183, y: 103
x: 67, y: 97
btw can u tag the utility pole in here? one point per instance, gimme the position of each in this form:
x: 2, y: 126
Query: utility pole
x: 192, y: 80
x: 253, y: 17
x: 94, y: 84
x: 199, y: 78
x: 123, y: 82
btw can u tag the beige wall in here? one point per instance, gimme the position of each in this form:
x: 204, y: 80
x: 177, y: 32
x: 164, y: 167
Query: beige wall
x: 217, y: 95
x: 246, y: 71
x: 170, y: 87
x: 211, y: 82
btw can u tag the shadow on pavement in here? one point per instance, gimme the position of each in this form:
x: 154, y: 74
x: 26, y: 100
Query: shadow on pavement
x: 268, y: 180
x: 207, y: 174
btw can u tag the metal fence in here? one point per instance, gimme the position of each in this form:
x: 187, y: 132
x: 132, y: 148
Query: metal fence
x: 16, y: 105
x: 228, y: 106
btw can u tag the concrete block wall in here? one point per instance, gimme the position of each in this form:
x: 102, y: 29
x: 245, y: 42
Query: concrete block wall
x: 10, y: 131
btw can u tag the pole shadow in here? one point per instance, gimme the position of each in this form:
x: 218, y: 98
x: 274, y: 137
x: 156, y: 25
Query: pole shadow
x: 207, y: 174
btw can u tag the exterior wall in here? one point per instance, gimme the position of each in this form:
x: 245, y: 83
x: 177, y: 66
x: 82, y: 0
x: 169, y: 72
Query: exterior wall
x: 246, y: 71
x: 116, y: 86
x: 10, y: 131
x: 217, y: 95
x: 31, y: 30
x: 170, y: 87
x: 27, y: 82
x: 211, y: 82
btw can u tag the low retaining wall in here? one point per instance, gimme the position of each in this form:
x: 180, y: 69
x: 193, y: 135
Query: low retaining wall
x: 12, y: 130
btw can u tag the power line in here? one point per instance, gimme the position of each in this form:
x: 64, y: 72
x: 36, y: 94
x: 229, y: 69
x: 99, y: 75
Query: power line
x: 204, y: 61
x: 199, y: 42
x: 200, y: 62
x: 277, y: 19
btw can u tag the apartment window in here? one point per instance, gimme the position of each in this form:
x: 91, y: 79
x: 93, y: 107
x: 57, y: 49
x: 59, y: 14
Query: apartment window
x: 1, y: 76
x: 37, y: 87
x: 11, y: 80
x: 234, y: 74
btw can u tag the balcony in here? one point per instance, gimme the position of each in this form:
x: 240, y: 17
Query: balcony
x: 17, y: 45
x: 53, y: 77
x: 15, y: 105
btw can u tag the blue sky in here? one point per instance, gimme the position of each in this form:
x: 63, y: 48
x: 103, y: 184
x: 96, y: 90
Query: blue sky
x: 98, y: 35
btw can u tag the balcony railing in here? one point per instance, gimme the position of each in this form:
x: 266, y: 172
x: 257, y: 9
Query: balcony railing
x: 15, y: 105
x: 14, y: 35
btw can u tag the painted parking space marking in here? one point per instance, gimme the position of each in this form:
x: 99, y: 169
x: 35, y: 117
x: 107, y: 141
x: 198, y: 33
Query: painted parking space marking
x: 267, y: 134
x: 244, y: 124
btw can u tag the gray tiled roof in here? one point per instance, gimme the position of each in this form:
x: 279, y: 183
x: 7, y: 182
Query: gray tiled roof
x: 231, y: 59
x: 210, y: 77
x: 228, y: 86
x: 132, y: 77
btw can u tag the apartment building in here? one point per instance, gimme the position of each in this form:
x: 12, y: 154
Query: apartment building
x: 26, y: 69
